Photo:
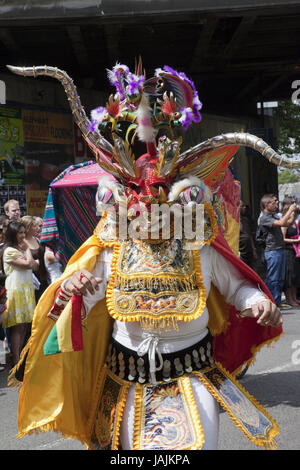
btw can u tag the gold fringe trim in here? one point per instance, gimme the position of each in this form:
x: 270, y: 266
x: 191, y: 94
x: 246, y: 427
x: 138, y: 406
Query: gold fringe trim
x: 51, y: 425
x: 97, y: 394
x: 120, y: 408
x: 187, y: 391
x: 151, y: 324
x: 138, y: 419
x: 150, y: 282
x: 119, y: 416
x: 97, y: 231
x: 267, y: 441
x: 12, y: 380
x: 111, y: 284
x: 254, y: 351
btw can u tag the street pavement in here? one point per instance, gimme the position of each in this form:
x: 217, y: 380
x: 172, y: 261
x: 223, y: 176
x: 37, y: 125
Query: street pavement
x: 274, y: 380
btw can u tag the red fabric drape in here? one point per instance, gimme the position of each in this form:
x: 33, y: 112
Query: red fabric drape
x: 243, y: 337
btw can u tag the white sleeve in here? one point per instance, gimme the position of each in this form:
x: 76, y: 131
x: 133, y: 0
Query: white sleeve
x: 102, y: 270
x: 236, y: 289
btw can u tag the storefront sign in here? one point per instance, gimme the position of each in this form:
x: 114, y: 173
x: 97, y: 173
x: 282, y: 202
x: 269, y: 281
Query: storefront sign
x: 36, y: 202
x: 11, y: 146
x: 47, y: 127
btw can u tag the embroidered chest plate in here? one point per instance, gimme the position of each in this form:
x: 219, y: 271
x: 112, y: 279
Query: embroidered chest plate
x: 155, y: 284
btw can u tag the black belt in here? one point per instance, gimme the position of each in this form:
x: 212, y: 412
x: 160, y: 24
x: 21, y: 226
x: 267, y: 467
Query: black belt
x: 128, y: 365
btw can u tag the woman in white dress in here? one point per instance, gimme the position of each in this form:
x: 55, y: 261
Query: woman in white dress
x: 18, y: 264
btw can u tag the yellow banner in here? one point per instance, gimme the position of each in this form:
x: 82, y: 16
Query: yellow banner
x: 36, y: 202
x: 11, y: 147
x: 47, y: 127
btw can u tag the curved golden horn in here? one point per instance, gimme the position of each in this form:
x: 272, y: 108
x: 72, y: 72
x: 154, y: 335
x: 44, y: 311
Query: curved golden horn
x: 94, y: 139
x: 242, y: 139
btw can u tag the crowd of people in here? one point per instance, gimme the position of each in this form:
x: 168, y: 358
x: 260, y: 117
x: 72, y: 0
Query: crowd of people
x: 277, y: 237
x: 26, y: 271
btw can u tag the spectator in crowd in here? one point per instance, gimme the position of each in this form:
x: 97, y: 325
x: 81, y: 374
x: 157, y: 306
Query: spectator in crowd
x: 53, y: 266
x: 37, y: 251
x: 39, y: 226
x: 18, y: 264
x: 292, y: 263
x: 247, y: 247
x: 4, y: 220
x: 270, y: 226
x: 12, y: 209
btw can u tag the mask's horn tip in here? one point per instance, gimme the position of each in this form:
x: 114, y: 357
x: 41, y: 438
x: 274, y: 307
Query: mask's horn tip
x: 14, y: 69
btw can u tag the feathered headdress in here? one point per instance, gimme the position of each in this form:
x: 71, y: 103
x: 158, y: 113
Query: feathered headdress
x: 129, y: 127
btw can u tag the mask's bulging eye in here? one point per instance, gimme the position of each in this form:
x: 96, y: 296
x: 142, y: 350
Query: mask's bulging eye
x: 191, y: 191
x: 191, y: 194
x: 105, y: 200
x: 109, y: 195
x: 105, y: 196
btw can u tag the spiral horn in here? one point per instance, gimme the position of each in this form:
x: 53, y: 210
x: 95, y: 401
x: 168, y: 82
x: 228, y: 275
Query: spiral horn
x: 241, y: 139
x: 94, y: 139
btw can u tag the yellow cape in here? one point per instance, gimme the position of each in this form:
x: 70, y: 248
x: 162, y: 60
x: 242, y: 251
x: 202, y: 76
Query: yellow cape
x: 59, y: 392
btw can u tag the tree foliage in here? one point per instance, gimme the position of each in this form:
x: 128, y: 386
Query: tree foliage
x: 288, y: 115
x: 287, y: 176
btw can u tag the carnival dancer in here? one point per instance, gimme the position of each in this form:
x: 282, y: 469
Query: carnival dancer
x: 142, y: 335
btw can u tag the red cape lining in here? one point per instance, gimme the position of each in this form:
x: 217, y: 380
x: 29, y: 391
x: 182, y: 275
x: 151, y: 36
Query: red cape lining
x: 244, y: 336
